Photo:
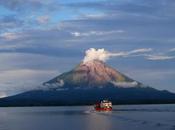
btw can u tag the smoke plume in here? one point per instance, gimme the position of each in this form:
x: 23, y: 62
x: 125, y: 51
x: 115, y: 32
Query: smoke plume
x: 103, y: 55
x: 96, y: 54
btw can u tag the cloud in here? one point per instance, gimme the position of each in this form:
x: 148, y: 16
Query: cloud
x: 23, y: 79
x: 96, y: 33
x: 57, y: 85
x: 2, y: 94
x: 20, y: 5
x: 155, y: 76
x: 83, y: 25
x: 48, y: 40
x: 159, y: 57
x: 137, y: 7
x: 94, y: 16
x: 93, y: 54
x: 22, y: 15
x: 9, y: 36
x: 172, y: 50
x: 10, y: 22
x: 20, y: 80
x: 43, y: 19
x: 25, y: 71
x: 141, y: 50
x: 125, y: 84
x: 103, y: 55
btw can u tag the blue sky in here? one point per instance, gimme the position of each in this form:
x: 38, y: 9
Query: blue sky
x: 40, y: 39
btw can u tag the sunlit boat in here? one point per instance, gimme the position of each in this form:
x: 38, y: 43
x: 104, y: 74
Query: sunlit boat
x: 104, y: 105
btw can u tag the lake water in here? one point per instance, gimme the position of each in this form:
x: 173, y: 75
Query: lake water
x: 123, y: 117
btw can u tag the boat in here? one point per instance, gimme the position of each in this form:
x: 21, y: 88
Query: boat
x: 103, y: 105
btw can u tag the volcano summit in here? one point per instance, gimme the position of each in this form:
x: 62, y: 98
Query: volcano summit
x: 90, y: 81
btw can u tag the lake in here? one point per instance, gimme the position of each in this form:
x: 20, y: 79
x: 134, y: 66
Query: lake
x: 123, y: 117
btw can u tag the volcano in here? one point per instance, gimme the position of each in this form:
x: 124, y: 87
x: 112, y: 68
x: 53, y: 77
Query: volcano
x: 88, y: 83
x: 92, y: 74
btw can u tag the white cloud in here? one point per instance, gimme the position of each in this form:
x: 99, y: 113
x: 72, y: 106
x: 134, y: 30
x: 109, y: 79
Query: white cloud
x: 96, y: 16
x: 23, y: 79
x: 60, y: 82
x: 173, y: 49
x: 57, y: 85
x: 9, y: 36
x: 2, y: 94
x: 95, y: 33
x: 160, y: 78
x: 159, y: 57
x: 43, y: 19
x: 141, y: 50
x: 125, y: 84
x: 21, y: 71
x: 76, y: 34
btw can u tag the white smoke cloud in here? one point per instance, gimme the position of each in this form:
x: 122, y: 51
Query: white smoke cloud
x: 96, y: 54
x: 103, y: 55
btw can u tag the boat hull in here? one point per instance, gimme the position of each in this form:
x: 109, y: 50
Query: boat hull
x: 103, y: 109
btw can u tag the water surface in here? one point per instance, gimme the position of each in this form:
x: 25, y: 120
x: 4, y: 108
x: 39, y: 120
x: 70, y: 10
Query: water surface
x: 123, y: 117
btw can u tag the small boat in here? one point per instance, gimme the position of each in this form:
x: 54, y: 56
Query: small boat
x: 104, y: 105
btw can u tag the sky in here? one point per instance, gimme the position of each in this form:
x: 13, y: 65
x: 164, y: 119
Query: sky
x: 40, y: 39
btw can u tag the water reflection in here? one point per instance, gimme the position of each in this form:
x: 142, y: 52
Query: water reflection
x: 99, y: 121
x: 85, y: 118
x: 57, y: 113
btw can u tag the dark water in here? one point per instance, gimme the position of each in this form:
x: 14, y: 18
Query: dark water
x: 129, y: 117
